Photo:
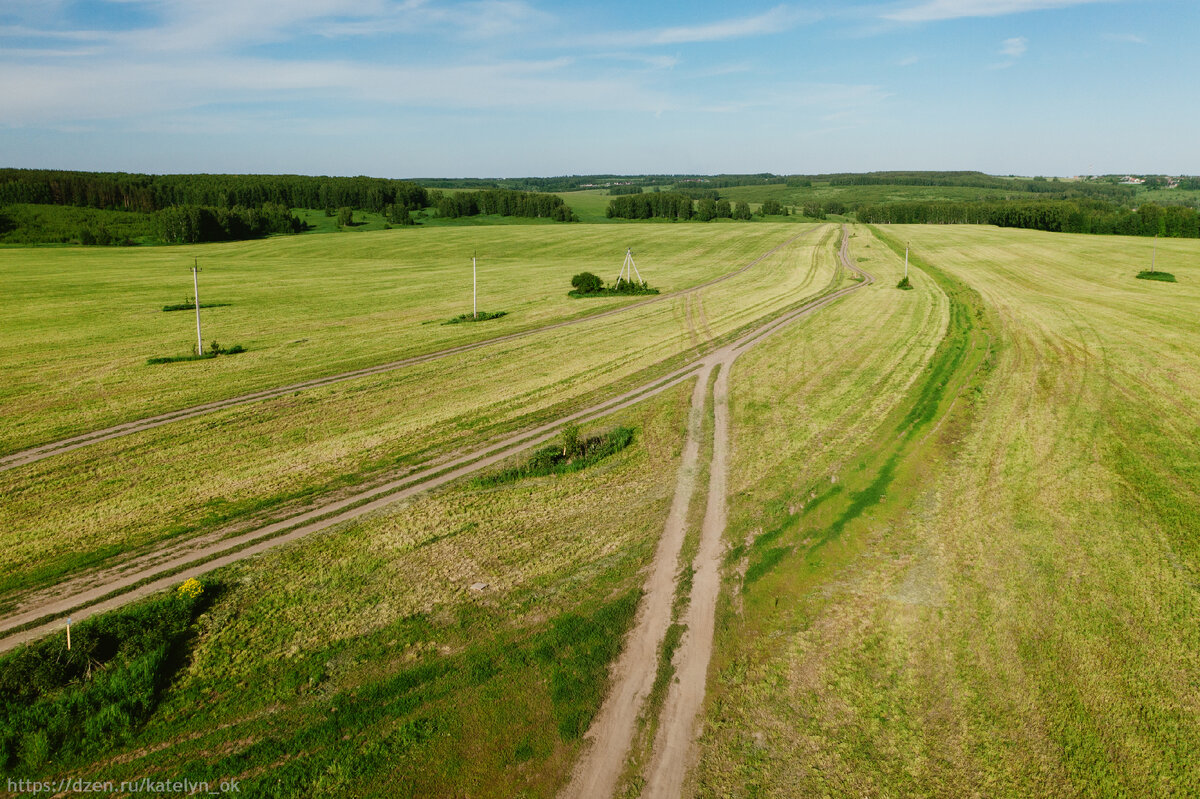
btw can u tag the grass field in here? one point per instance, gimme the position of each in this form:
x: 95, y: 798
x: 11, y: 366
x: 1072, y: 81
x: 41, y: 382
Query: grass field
x: 361, y: 662
x: 1013, y: 614
x: 963, y: 552
x: 115, y: 498
x: 80, y: 323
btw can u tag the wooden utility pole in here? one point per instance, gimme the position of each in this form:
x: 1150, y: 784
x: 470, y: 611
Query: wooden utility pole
x: 906, y: 261
x: 474, y: 288
x: 196, y: 297
x: 1154, y: 252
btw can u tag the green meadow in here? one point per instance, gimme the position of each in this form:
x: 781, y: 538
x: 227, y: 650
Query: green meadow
x: 80, y: 322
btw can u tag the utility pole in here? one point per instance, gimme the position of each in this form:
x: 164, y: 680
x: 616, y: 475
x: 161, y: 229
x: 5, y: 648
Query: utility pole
x: 196, y: 296
x: 68, y: 633
x: 906, y: 261
x: 1154, y: 252
x: 474, y: 287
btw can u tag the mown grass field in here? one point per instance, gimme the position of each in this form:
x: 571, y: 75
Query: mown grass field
x: 362, y: 663
x: 116, y: 498
x: 79, y: 323
x: 1012, y: 613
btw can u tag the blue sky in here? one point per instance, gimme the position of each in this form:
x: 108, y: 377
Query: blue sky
x: 416, y: 88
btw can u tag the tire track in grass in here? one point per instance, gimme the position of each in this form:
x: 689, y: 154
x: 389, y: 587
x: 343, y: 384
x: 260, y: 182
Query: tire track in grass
x: 34, y: 619
x: 611, y: 735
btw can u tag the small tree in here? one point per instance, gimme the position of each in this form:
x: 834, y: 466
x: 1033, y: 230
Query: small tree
x: 587, y: 283
x: 570, y: 441
x: 345, y: 217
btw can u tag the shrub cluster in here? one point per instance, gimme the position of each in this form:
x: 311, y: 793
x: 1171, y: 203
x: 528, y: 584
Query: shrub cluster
x: 58, y: 703
x: 570, y: 455
x: 587, y: 284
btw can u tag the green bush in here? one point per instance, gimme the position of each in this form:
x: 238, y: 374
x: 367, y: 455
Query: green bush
x: 482, y: 316
x: 587, y: 283
x: 56, y: 703
x: 571, y: 455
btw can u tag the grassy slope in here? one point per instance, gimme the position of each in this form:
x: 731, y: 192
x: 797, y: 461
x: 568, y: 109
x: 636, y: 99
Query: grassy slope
x: 77, y: 509
x: 360, y: 662
x: 79, y: 323
x: 1018, y: 620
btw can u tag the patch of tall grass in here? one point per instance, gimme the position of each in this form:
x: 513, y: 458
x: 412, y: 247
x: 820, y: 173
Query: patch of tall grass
x: 58, y: 703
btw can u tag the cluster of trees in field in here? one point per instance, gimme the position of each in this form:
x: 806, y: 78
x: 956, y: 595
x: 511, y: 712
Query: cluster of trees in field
x: 189, y: 224
x: 504, y: 202
x: 616, y: 191
x: 677, y: 205
x: 146, y: 193
x: 656, y: 205
x: 1060, y: 217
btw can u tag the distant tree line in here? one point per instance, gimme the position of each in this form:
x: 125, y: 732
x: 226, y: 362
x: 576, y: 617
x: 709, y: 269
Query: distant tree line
x: 1037, y: 185
x: 676, y: 205
x: 503, y: 202
x: 189, y: 224
x: 146, y: 193
x: 617, y: 191
x: 1059, y: 217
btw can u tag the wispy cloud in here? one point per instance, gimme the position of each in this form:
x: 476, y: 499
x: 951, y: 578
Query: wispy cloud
x: 777, y: 20
x: 1014, y: 47
x: 934, y: 10
x: 908, y: 61
x: 60, y: 94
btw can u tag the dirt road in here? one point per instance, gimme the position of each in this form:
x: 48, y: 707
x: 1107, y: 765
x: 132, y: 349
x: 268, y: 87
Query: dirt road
x: 118, y: 585
x: 609, y: 738
x: 49, y: 449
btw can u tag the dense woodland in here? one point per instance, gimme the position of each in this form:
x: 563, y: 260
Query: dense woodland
x: 502, y: 202
x: 146, y: 193
x: 53, y: 206
x: 122, y: 208
x: 1059, y: 217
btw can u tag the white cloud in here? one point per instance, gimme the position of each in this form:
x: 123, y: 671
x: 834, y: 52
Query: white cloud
x: 777, y: 20
x: 60, y: 94
x: 934, y: 10
x: 1014, y: 47
x: 908, y: 61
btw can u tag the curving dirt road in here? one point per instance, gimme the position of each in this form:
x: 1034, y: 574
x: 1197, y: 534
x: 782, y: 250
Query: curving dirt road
x: 34, y: 454
x: 119, y: 585
x: 609, y: 738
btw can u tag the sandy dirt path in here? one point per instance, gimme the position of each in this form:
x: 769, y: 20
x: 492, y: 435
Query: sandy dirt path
x: 93, y: 595
x: 611, y: 730
x: 609, y: 738
x: 34, y: 454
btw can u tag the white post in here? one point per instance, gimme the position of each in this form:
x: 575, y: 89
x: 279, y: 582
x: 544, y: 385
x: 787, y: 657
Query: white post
x: 68, y: 633
x: 474, y: 290
x: 196, y: 290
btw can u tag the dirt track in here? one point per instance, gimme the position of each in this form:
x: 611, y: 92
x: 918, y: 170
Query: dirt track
x: 133, y: 583
x: 125, y: 582
x: 42, y: 451
x: 608, y: 740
